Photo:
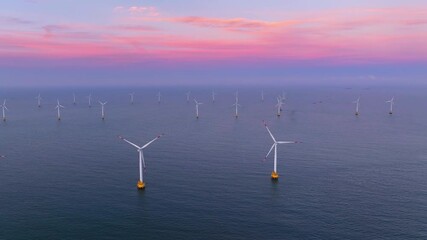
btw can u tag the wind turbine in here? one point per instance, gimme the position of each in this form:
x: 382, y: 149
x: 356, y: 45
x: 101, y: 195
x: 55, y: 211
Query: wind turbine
x: 90, y: 99
x: 197, y: 107
x: 357, y: 106
x: 262, y: 95
x: 39, y: 98
x: 274, y: 174
x: 391, y: 101
x: 159, y: 97
x: 74, y: 99
x: 140, y: 184
x: 188, y: 96
x: 59, y: 106
x: 237, y: 105
x: 3, y: 106
x: 279, y: 106
x: 131, y: 97
x: 213, y: 96
x: 102, y: 109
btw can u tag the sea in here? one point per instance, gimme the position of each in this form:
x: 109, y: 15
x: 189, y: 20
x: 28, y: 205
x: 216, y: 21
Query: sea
x: 351, y: 177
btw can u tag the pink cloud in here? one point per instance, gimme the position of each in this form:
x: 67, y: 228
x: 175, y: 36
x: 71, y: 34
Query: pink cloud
x: 361, y: 36
x: 234, y: 24
x: 138, y: 10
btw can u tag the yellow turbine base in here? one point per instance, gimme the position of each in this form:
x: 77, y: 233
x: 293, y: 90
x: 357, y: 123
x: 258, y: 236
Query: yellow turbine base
x: 140, y: 185
x: 274, y: 175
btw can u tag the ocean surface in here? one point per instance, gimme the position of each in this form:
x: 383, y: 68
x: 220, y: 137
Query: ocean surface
x: 353, y: 177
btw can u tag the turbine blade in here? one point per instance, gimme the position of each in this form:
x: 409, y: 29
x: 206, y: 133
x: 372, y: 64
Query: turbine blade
x: 143, y: 160
x: 265, y: 124
x: 131, y: 143
x: 284, y: 142
x: 146, y: 145
x: 272, y: 146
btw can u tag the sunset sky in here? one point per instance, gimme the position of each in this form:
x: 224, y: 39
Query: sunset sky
x: 174, y: 42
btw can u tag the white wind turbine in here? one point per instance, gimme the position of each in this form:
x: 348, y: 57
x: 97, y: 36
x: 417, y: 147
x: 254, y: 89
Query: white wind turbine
x: 159, y: 97
x: 131, y: 97
x: 197, y: 107
x: 262, y: 95
x: 188, y: 96
x: 237, y: 105
x: 357, y: 106
x: 74, y: 99
x: 213, y: 96
x: 3, y: 106
x: 391, y: 101
x: 102, y: 109
x: 141, y: 184
x: 90, y: 100
x: 59, y: 106
x: 39, y: 98
x: 279, y: 106
x: 274, y: 174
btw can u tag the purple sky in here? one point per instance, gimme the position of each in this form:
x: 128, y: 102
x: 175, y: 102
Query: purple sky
x: 163, y: 42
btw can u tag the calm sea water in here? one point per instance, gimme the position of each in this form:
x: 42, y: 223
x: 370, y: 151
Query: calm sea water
x: 352, y: 177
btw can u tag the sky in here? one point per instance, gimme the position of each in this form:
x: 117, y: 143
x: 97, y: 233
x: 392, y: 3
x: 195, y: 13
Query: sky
x: 205, y: 42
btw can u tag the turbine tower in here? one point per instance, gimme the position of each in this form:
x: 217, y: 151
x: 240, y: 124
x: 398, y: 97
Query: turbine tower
x: 102, y: 109
x: 274, y: 174
x: 90, y: 100
x: 59, y: 106
x: 237, y: 105
x: 279, y: 106
x: 140, y: 184
x: 188, y: 96
x: 197, y: 107
x: 39, y: 98
x: 262, y: 95
x: 131, y: 97
x: 213, y: 96
x: 357, y: 106
x: 391, y: 101
x: 3, y: 106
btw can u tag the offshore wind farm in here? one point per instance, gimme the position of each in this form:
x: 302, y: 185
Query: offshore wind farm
x: 213, y: 167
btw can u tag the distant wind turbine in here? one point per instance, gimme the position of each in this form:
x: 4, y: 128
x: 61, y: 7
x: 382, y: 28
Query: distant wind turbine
x: 274, y: 174
x: 3, y: 106
x: 213, y: 96
x: 391, y: 101
x: 102, y: 109
x: 74, y: 99
x: 188, y: 96
x: 131, y: 97
x: 357, y: 106
x: 197, y: 107
x: 140, y: 184
x: 59, y: 106
x: 39, y: 98
x: 262, y: 95
x: 159, y: 97
x: 279, y: 106
x: 237, y: 105
x: 90, y: 100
